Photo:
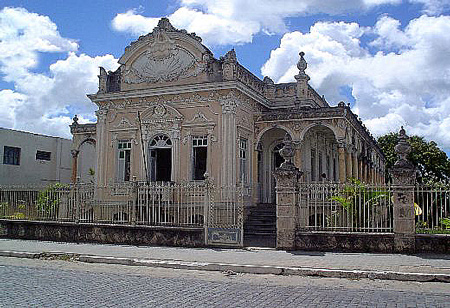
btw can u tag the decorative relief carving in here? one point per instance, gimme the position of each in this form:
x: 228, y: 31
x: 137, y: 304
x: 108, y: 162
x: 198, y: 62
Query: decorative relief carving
x: 229, y: 103
x: 199, y: 118
x: 164, y: 61
x: 124, y: 123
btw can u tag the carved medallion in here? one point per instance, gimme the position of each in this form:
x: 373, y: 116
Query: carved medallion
x: 163, y: 61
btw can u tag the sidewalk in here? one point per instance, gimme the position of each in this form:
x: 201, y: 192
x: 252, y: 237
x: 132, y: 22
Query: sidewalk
x: 420, y: 267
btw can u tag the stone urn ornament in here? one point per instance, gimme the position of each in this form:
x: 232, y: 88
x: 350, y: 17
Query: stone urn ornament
x: 287, y: 152
x: 403, y: 149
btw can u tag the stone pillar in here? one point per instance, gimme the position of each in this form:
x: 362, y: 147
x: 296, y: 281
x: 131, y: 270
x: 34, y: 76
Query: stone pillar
x: 341, y: 151
x: 286, y: 189
x: 74, y: 165
x: 403, y: 176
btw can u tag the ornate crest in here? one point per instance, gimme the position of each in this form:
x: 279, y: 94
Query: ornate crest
x: 164, y: 60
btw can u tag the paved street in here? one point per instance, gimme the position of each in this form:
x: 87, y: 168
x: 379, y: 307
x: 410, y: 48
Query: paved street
x: 44, y: 283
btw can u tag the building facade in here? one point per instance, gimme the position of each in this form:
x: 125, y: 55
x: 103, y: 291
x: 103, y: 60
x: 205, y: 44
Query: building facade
x: 27, y: 158
x: 173, y: 112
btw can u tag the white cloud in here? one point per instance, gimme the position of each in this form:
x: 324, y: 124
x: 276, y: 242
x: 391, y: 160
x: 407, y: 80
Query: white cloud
x: 433, y: 7
x: 406, y: 82
x: 235, y: 21
x: 44, y: 102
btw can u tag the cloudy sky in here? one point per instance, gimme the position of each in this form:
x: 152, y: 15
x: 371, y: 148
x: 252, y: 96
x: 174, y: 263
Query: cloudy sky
x: 390, y: 59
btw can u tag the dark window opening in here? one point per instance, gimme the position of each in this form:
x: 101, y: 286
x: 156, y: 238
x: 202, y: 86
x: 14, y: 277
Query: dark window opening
x: 160, y: 164
x: 11, y: 155
x: 200, y: 154
x: 43, y: 155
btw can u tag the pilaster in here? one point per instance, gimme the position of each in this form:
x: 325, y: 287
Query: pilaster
x: 229, y: 106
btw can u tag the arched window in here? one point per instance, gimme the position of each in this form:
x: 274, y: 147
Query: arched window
x: 161, y: 141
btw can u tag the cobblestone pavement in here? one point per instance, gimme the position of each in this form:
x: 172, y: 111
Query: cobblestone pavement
x: 420, y: 263
x: 42, y: 283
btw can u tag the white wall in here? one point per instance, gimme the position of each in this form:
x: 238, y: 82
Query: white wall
x: 30, y: 170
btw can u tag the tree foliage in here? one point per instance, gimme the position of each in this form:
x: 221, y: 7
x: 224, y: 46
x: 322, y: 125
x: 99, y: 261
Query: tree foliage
x: 432, y: 163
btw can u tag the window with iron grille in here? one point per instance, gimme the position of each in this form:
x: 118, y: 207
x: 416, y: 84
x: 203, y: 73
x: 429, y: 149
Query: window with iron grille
x: 11, y: 155
x: 43, y: 155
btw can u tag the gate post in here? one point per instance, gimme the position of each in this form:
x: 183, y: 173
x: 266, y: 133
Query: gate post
x: 404, y: 177
x: 286, y: 178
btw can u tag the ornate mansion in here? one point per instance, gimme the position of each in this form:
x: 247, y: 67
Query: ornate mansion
x: 172, y: 112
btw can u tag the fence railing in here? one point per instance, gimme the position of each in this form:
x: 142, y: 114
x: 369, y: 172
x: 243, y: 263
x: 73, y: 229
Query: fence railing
x: 432, y: 208
x: 189, y: 204
x: 351, y: 207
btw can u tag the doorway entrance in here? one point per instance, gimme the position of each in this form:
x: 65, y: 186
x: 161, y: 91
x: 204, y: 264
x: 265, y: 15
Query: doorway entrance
x: 160, y: 159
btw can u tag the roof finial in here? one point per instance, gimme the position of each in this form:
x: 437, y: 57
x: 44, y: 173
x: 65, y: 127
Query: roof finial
x: 302, y: 65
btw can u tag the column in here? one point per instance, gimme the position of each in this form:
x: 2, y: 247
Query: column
x: 349, y: 163
x: 403, y: 176
x: 74, y: 165
x: 355, y: 164
x: 101, y: 147
x: 342, y: 174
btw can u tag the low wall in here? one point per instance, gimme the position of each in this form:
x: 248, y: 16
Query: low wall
x: 110, y: 234
x: 345, y: 241
x: 439, y: 243
x: 367, y: 242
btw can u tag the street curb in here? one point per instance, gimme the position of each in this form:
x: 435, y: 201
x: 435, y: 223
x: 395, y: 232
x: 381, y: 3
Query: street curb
x: 234, y: 268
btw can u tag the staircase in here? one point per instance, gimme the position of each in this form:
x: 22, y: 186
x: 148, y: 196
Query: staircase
x: 260, y: 226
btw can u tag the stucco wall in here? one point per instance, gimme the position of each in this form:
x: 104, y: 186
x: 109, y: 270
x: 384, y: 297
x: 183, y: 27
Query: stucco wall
x: 31, y: 170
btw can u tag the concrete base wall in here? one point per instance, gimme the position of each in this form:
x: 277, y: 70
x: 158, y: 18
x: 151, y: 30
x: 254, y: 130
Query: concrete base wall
x: 110, y: 234
x: 367, y: 242
x: 344, y: 241
x: 439, y: 243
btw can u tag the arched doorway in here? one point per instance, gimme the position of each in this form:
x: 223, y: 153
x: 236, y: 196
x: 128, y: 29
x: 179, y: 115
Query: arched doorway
x: 160, y: 158
x: 269, y: 159
x: 87, y: 161
x: 320, y: 159
x: 277, y: 160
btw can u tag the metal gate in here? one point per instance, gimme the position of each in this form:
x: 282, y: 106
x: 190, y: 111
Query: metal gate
x: 225, y: 223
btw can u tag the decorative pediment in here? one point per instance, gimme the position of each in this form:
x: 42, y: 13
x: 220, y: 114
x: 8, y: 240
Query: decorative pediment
x: 199, y: 119
x: 123, y: 123
x: 159, y: 113
x: 166, y: 54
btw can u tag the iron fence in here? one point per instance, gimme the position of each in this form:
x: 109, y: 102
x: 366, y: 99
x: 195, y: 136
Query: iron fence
x: 187, y: 204
x: 432, y: 208
x: 353, y: 207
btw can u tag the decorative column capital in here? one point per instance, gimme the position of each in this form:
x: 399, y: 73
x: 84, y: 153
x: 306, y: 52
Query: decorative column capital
x: 229, y: 104
x: 101, y: 114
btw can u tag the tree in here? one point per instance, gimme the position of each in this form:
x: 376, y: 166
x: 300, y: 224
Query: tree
x: 432, y: 163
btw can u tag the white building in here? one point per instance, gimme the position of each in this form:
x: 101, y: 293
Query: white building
x: 27, y: 158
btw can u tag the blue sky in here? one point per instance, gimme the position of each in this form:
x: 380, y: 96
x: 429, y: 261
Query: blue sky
x: 389, y: 58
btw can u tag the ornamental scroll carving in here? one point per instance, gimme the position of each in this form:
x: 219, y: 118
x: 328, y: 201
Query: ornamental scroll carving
x: 164, y: 61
